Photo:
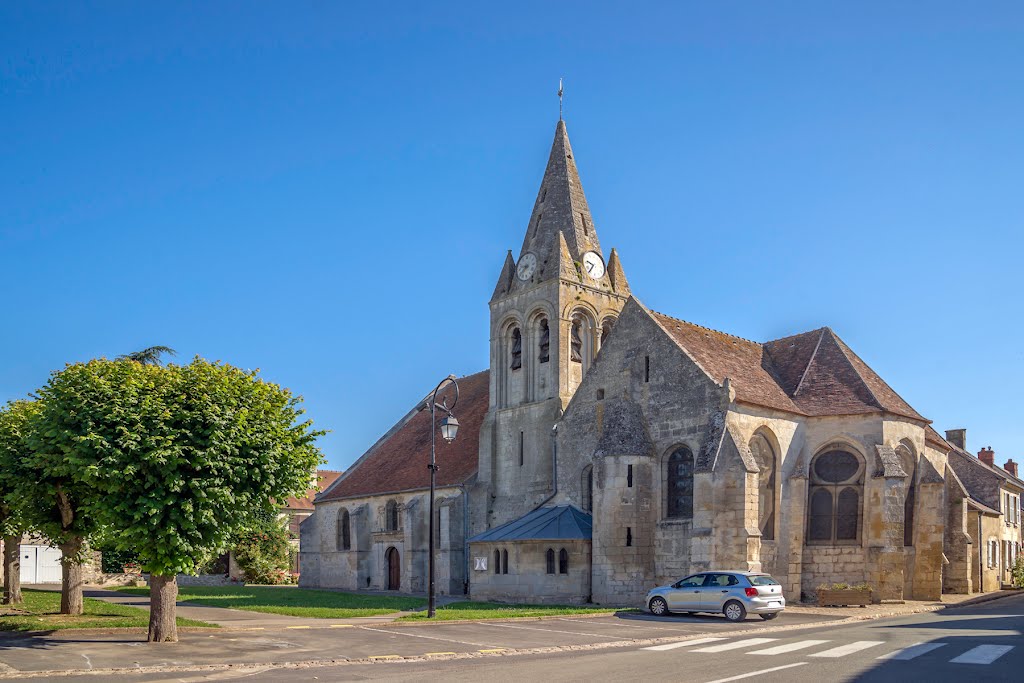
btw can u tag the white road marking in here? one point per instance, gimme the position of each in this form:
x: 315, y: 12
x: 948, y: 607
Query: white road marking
x: 848, y: 649
x: 684, y: 643
x: 417, y: 635
x: 983, y: 654
x: 915, y: 650
x: 617, y: 624
x: 549, y: 630
x: 737, y: 644
x: 788, y: 647
x: 757, y: 673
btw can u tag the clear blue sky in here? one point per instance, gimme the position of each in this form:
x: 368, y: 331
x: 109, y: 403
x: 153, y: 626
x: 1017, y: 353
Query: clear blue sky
x: 327, y: 192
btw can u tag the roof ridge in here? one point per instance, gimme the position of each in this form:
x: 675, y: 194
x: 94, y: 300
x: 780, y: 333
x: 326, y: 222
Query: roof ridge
x: 810, y: 360
x: 704, y: 327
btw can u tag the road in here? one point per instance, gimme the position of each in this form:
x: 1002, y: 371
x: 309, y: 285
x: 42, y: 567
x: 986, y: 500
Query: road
x: 982, y: 643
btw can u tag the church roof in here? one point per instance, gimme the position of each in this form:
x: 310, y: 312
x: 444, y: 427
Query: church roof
x: 814, y: 373
x: 398, y: 461
x: 556, y: 523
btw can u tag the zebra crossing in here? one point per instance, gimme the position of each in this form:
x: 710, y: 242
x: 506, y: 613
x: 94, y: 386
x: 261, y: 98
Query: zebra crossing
x: 978, y: 654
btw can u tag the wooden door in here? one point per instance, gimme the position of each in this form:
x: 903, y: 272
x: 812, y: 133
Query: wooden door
x: 394, y: 570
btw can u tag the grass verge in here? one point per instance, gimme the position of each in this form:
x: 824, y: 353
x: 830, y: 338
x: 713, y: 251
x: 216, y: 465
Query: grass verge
x: 292, y: 601
x: 494, y: 610
x: 41, y: 612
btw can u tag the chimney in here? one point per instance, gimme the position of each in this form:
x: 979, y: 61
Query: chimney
x: 1011, y: 467
x: 987, y: 456
x: 957, y: 437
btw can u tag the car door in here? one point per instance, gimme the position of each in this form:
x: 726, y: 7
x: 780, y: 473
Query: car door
x: 718, y: 589
x: 686, y: 593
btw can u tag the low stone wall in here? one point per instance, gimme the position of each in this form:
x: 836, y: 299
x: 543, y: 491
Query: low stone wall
x: 206, y: 580
x: 109, y: 580
x: 832, y: 564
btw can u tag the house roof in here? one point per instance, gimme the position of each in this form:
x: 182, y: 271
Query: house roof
x: 398, y: 461
x: 814, y: 373
x: 994, y: 470
x: 552, y: 523
x: 324, y: 478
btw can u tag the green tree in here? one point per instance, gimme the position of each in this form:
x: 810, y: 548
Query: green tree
x: 181, y: 458
x: 15, y: 501
x: 152, y: 355
x: 261, y: 549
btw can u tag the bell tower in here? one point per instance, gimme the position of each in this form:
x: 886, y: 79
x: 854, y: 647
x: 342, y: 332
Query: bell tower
x: 550, y: 310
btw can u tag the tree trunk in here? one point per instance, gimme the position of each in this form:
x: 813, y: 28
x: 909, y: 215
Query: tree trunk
x: 163, y: 596
x: 71, y: 577
x: 12, y: 570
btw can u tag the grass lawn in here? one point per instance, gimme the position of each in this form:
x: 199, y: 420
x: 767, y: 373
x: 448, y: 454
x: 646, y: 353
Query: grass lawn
x: 494, y: 610
x: 40, y: 612
x: 296, y: 602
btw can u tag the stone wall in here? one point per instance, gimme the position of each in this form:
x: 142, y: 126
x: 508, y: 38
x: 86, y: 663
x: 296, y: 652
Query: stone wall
x: 957, y: 546
x: 832, y: 564
x: 527, y: 580
x: 364, y: 565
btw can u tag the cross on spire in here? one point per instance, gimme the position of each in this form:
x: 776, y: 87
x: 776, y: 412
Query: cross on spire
x: 559, y: 99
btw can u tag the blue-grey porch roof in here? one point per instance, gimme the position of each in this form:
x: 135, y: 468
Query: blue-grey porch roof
x: 552, y: 523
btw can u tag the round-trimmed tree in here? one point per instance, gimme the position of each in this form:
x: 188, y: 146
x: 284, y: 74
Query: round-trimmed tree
x: 180, y: 458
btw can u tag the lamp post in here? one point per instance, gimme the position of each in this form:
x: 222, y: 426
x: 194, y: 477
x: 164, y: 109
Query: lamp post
x: 449, y: 428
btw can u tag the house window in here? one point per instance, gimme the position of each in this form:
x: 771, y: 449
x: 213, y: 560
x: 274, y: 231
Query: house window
x: 549, y: 558
x: 392, y: 516
x: 836, y: 487
x: 497, y: 561
x: 679, y: 480
x: 344, y: 533
x: 504, y: 562
x: 563, y: 561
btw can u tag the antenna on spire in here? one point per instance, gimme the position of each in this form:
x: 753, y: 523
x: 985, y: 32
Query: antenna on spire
x: 559, y: 99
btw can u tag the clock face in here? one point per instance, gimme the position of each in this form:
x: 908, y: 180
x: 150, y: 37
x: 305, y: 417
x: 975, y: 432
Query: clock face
x: 593, y: 265
x: 527, y: 266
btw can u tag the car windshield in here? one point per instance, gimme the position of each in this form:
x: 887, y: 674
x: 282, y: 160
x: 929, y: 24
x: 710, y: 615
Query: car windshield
x: 762, y: 580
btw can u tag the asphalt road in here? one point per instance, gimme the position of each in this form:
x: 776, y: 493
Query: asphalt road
x: 981, y: 643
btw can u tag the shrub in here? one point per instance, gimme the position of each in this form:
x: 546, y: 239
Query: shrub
x: 1017, y: 573
x: 262, y: 553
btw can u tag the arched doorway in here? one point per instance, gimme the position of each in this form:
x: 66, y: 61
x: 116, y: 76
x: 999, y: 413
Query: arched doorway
x: 394, y: 569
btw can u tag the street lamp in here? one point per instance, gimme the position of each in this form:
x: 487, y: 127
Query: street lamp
x: 449, y: 428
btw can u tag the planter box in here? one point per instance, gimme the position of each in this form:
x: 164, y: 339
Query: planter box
x: 843, y: 598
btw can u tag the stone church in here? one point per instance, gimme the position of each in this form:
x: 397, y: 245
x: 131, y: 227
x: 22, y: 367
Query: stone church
x: 610, y: 448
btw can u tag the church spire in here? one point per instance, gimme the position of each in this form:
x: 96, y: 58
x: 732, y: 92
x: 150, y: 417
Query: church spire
x: 560, y: 212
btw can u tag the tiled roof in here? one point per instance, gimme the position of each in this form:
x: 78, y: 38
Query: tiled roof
x: 557, y: 523
x: 932, y: 437
x: 814, y: 373
x: 324, y: 478
x: 398, y: 461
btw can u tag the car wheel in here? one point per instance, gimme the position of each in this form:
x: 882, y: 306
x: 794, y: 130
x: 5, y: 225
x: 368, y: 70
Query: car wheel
x: 769, y: 617
x: 734, y: 611
x: 659, y: 607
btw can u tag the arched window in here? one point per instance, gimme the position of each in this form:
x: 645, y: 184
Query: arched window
x: 549, y: 558
x: 764, y: 456
x: 836, y: 489
x: 497, y: 561
x: 544, y: 341
x: 679, y: 480
x: 587, y: 489
x: 344, y: 530
x: 910, y: 466
x: 563, y: 561
x: 606, y: 329
x: 392, y: 516
x: 504, y: 562
x: 517, y: 349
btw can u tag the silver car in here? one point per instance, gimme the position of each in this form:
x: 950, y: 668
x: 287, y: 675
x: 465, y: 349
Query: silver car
x: 732, y: 593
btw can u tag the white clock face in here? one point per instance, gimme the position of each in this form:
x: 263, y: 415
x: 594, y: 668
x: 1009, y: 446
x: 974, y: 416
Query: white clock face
x: 593, y: 265
x: 527, y: 266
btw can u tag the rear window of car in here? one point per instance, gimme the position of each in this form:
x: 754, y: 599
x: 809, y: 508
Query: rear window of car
x: 762, y: 580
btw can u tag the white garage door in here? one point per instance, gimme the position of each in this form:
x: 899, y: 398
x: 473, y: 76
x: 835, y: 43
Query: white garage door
x: 40, y: 564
